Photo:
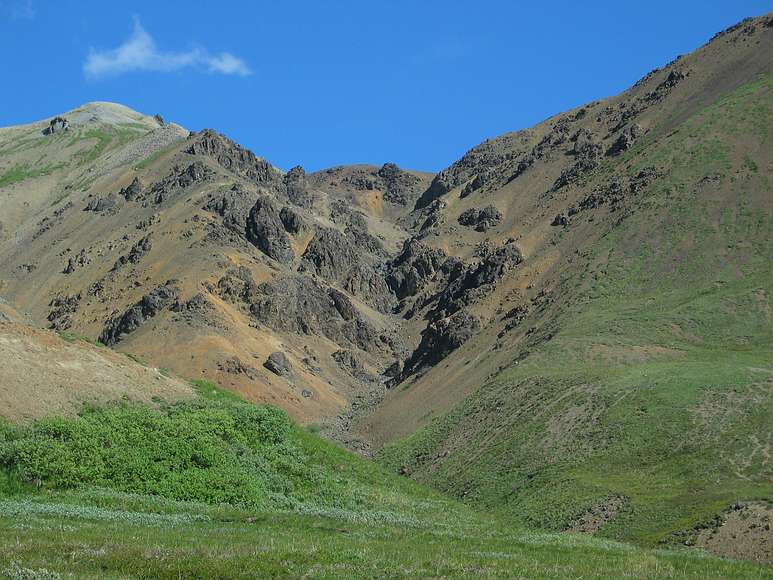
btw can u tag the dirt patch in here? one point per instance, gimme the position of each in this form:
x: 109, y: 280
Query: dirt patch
x: 744, y: 532
x: 595, y: 518
x: 44, y: 374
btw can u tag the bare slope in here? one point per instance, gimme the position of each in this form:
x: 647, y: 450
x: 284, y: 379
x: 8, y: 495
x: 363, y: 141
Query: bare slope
x: 44, y: 373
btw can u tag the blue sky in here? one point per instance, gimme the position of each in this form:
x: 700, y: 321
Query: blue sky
x: 327, y: 83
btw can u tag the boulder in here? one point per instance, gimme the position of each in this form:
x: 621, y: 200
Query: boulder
x: 278, y: 363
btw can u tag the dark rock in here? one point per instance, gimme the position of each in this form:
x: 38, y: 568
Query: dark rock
x: 56, y: 125
x: 560, y: 220
x: 468, y: 284
x: 481, y: 219
x: 61, y: 310
x: 297, y: 187
x: 159, y: 119
x: 234, y: 366
x: 351, y: 363
x: 237, y: 285
x: 330, y: 254
x: 399, y: 187
x: 136, y: 253
x: 132, y: 191
x: 233, y: 157
x: 75, y: 262
x: 292, y: 220
x: 626, y: 140
x: 101, y: 204
x: 414, y: 267
x: 441, y: 338
x: 278, y: 364
x: 266, y: 231
x: 233, y: 206
x: 369, y: 284
x: 178, y: 180
x: 136, y: 315
x: 301, y: 304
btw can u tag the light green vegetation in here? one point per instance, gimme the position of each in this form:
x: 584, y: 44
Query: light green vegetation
x: 657, y: 387
x: 227, y: 489
x: 22, y: 172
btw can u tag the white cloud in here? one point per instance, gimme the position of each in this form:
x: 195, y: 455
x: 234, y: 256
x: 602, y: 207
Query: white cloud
x: 140, y: 53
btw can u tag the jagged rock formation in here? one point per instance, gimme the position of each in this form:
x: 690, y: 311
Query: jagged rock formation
x: 481, y: 220
x: 136, y: 253
x: 302, y: 305
x: 266, y: 231
x: 233, y: 157
x: 149, y: 306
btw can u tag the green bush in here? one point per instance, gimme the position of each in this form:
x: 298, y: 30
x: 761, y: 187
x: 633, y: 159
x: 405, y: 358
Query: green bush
x: 206, y: 451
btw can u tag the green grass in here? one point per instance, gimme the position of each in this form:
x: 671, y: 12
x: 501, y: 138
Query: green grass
x: 228, y: 489
x: 658, y: 384
x: 22, y: 172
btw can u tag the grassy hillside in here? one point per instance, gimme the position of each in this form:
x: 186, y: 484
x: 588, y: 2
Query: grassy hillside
x: 222, y: 488
x: 655, y: 393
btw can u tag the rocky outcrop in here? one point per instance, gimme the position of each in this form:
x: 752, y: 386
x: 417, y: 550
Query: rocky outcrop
x: 150, y: 305
x: 101, y: 204
x: 330, y: 254
x: 292, y: 221
x: 296, y: 187
x: 233, y: 157
x: 266, y: 231
x: 488, y: 163
x: 399, y: 187
x: 237, y: 285
x: 75, y: 262
x: 56, y: 125
x: 180, y: 179
x: 349, y: 362
x: 439, y: 339
x: 473, y: 282
x: 481, y: 219
x: 233, y: 205
x: 132, y: 191
x: 302, y: 305
x: 626, y: 140
x: 235, y: 366
x: 279, y: 364
x: 368, y: 283
x: 61, y: 309
x: 414, y: 267
x: 136, y: 253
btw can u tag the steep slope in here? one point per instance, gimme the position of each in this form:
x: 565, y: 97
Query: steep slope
x: 623, y: 371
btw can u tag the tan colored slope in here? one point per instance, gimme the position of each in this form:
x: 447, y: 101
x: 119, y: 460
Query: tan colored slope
x: 45, y: 374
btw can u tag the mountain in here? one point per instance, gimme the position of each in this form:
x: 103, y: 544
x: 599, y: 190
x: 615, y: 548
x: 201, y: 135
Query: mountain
x: 570, y: 325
